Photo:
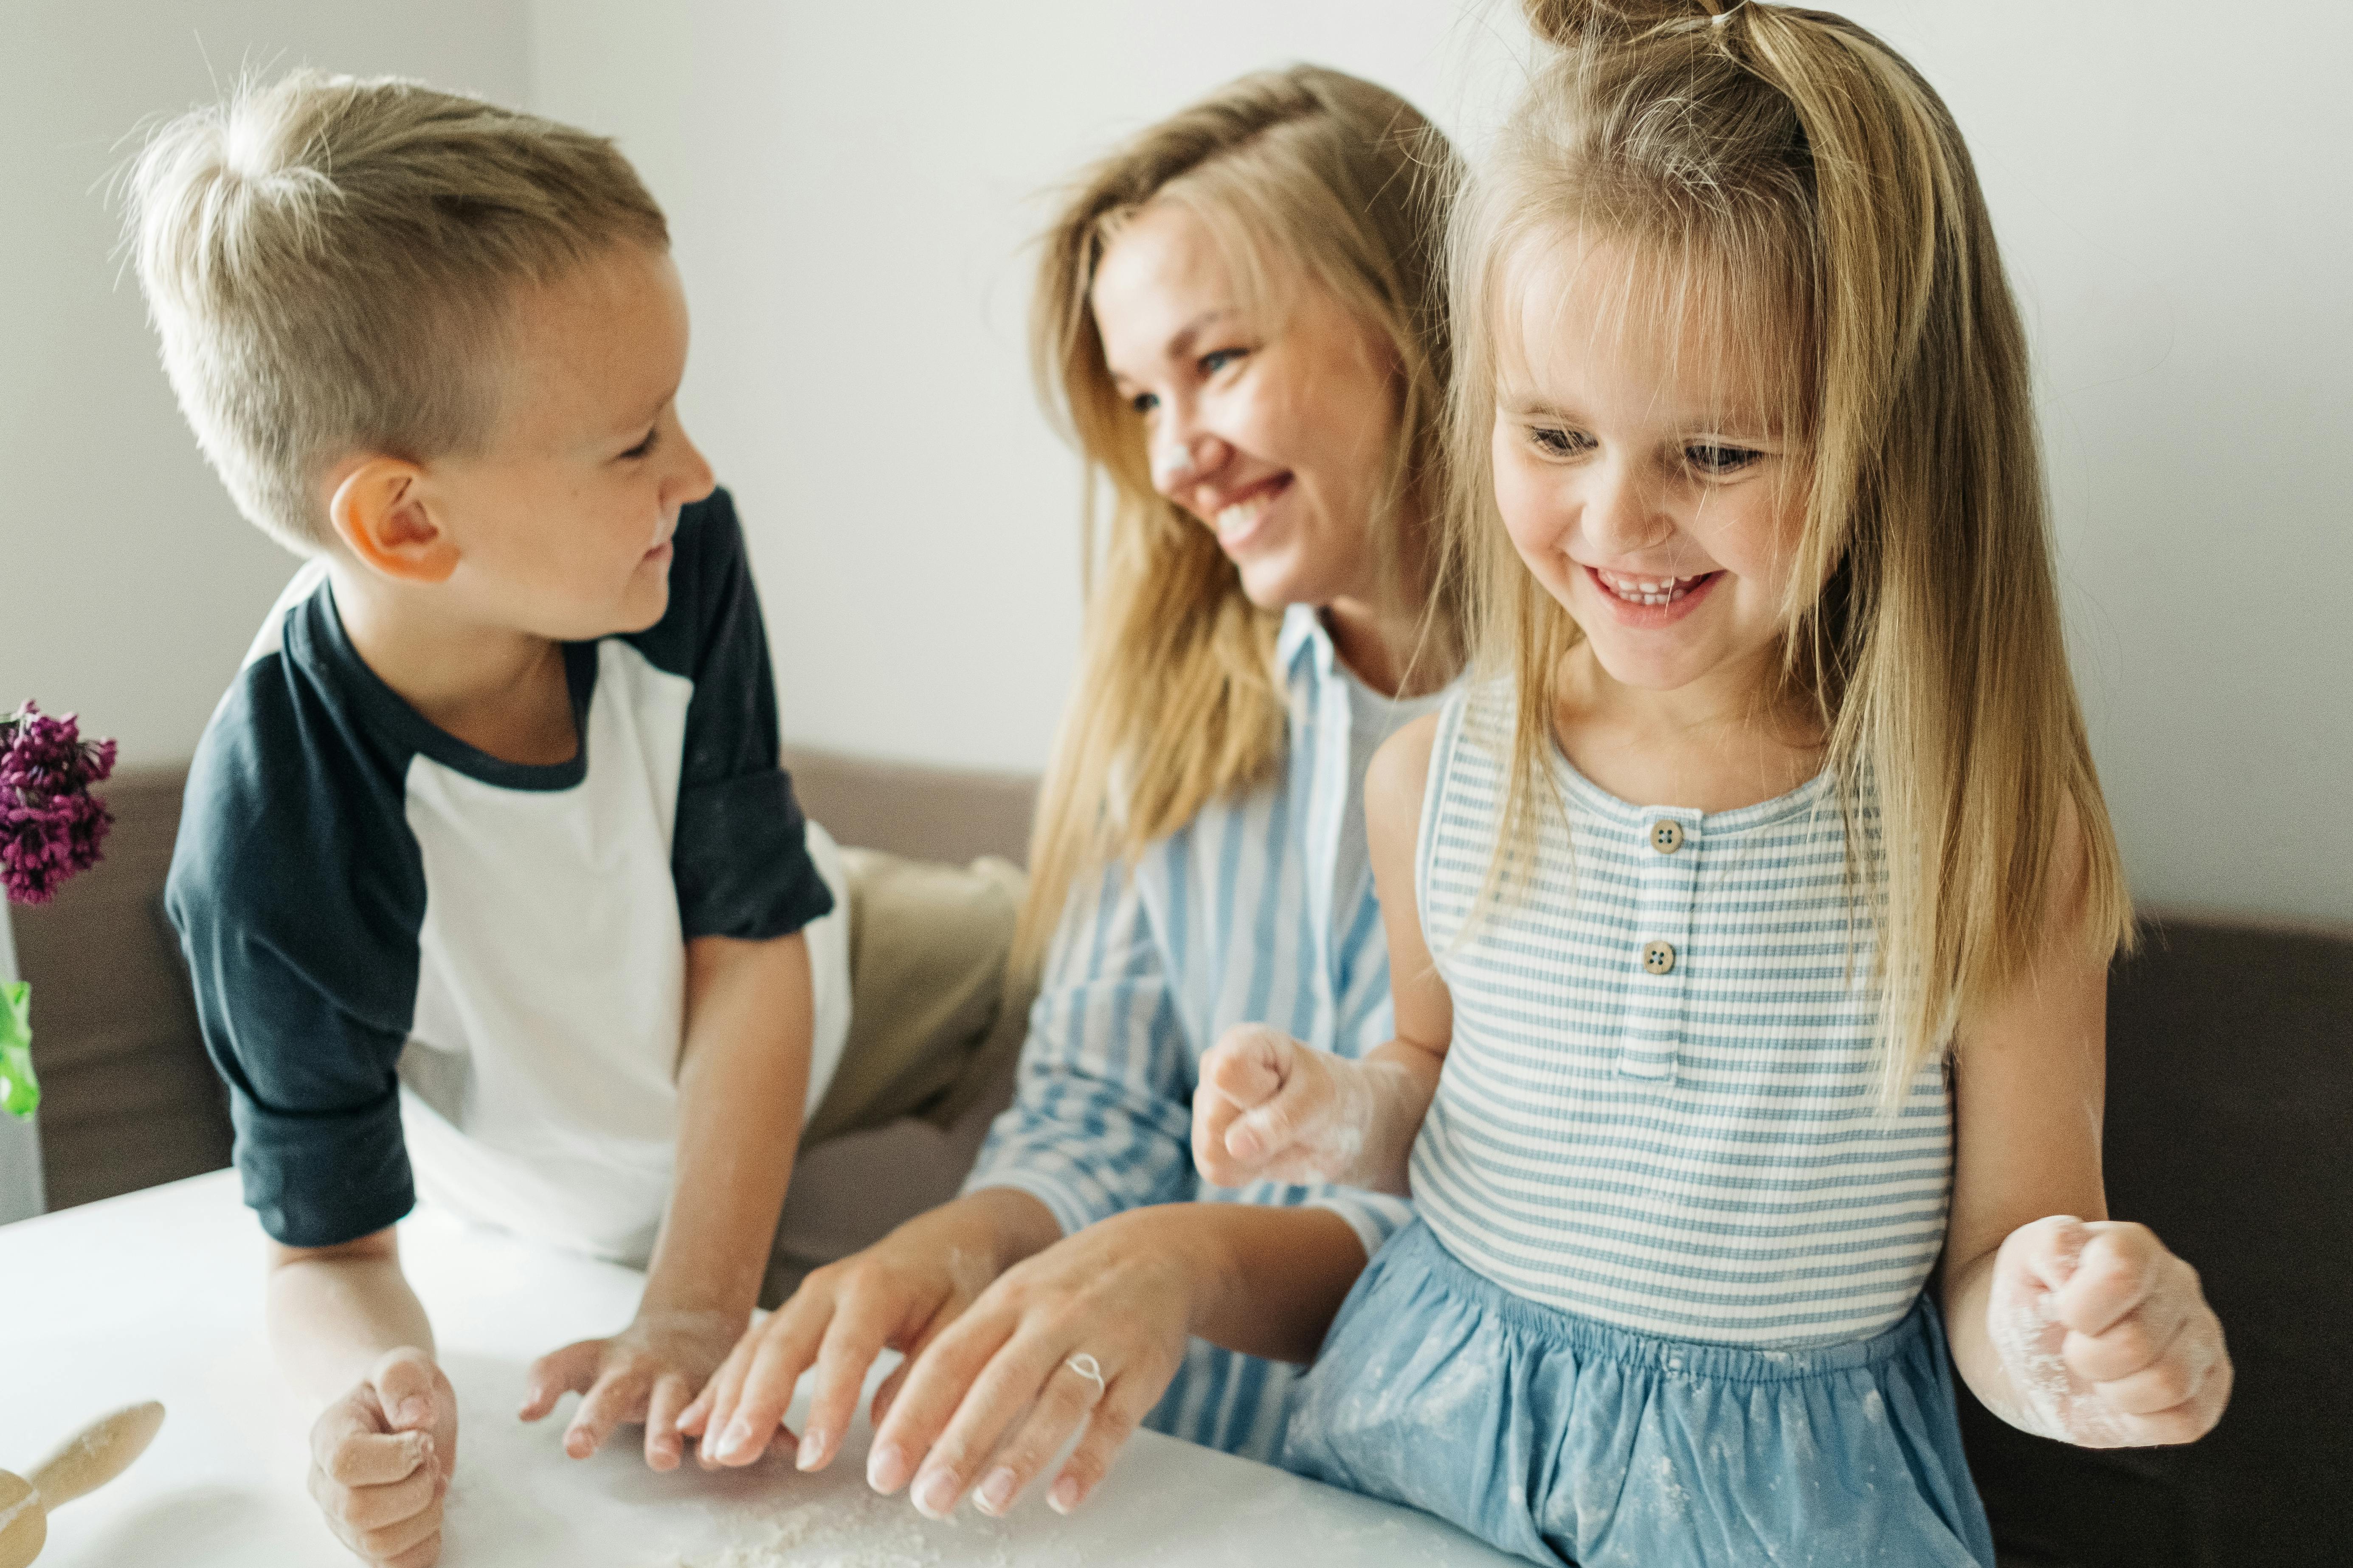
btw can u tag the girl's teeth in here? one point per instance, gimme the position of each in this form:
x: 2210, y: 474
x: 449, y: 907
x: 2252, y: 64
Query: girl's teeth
x: 1647, y: 590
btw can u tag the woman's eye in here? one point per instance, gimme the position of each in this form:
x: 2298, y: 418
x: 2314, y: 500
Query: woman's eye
x: 644, y: 446
x: 1555, y: 442
x: 1218, y: 359
x: 1143, y: 402
x: 1716, y: 461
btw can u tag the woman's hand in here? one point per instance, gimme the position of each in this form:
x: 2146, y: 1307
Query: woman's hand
x: 899, y: 1294
x: 645, y: 1373
x: 1271, y: 1109
x: 2105, y: 1335
x: 1088, y: 1334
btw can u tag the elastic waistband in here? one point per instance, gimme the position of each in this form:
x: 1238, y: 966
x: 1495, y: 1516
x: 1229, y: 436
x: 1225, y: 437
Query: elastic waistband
x: 1415, y: 1248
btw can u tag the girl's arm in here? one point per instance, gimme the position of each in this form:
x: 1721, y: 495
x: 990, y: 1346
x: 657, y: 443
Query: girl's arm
x: 2063, y: 1322
x: 1271, y: 1108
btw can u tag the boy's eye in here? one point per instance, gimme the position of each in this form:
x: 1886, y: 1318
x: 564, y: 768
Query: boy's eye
x: 644, y: 446
x: 1555, y: 442
x: 1716, y: 461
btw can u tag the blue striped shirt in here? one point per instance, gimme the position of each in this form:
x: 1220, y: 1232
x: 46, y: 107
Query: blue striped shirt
x: 1659, y: 1108
x: 1235, y: 918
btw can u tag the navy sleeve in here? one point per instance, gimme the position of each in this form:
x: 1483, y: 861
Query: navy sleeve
x: 298, y: 903
x: 739, y: 856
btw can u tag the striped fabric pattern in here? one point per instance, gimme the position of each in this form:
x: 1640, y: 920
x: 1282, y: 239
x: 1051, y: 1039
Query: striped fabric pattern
x: 1234, y: 918
x: 1690, y: 1151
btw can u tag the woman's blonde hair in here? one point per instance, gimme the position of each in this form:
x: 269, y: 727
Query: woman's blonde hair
x: 1799, y: 197
x: 1305, y: 174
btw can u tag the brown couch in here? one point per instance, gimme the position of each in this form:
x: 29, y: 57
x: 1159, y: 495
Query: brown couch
x: 2230, y: 1131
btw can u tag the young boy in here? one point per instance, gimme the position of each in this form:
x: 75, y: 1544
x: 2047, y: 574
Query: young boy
x: 489, y: 878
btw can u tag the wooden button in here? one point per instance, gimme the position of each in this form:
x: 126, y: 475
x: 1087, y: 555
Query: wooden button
x: 1658, y: 957
x: 1666, y: 836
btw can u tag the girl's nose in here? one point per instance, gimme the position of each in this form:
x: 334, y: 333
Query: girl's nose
x: 1618, y: 518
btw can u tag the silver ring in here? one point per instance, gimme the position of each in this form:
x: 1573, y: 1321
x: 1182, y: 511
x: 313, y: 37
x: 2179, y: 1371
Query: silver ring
x: 1086, y: 1366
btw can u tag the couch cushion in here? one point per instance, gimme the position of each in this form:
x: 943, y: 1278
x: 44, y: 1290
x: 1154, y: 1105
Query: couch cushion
x: 2230, y: 1134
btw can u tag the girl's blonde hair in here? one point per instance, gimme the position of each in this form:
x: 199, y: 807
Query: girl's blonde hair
x: 1304, y: 176
x: 1799, y: 197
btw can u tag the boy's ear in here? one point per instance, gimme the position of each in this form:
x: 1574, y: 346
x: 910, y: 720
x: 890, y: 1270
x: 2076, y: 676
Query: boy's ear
x: 378, y: 512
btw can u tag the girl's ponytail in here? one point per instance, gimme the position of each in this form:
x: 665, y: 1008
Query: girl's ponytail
x: 1570, y: 23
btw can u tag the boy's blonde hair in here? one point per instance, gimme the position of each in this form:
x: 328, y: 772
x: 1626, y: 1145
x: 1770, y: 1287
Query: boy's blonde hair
x: 1301, y: 175
x: 330, y: 263
x: 1798, y: 196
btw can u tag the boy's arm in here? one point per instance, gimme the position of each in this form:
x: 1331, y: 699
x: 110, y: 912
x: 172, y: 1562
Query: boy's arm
x: 349, y: 1331
x: 743, y: 1082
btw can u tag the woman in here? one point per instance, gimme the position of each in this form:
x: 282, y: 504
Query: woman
x: 1240, y: 313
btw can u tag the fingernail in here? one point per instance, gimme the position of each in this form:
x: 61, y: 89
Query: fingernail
x: 412, y: 1411
x: 996, y: 1492
x: 886, y: 1467
x: 1243, y: 1143
x: 1065, y: 1495
x: 936, y: 1494
x: 814, y: 1444
x: 738, y: 1439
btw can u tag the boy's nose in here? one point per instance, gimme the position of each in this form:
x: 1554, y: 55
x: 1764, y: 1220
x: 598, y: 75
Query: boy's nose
x: 696, y: 479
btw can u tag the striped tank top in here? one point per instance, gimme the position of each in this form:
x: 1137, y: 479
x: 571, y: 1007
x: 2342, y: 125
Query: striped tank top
x: 1659, y: 1107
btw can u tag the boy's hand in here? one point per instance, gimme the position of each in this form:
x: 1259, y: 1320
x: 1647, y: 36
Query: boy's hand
x: 1270, y: 1109
x: 645, y: 1373
x: 2105, y: 1335
x: 380, y: 1461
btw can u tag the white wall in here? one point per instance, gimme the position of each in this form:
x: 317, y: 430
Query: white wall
x: 851, y: 185
x: 131, y: 586
x: 852, y: 188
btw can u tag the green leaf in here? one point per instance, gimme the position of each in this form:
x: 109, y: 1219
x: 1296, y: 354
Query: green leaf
x: 21, y: 1091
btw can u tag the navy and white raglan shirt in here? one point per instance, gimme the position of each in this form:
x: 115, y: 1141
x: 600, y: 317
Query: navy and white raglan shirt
x: 423, y: 968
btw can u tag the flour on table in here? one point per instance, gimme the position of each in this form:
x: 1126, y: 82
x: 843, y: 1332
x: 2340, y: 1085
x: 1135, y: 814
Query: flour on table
x: 853, y: 1528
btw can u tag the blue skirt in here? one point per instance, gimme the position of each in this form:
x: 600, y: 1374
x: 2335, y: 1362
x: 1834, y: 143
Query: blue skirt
x: 1565, y: 1440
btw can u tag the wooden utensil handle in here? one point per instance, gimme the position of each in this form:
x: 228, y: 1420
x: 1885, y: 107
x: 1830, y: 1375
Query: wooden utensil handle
x: 96, y: 1455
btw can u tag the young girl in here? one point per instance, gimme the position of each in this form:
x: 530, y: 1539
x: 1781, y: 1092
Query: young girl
x: 1757, y: 897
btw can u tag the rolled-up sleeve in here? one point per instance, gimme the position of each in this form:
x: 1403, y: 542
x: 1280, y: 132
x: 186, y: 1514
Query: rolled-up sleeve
x: 1102, y: 1117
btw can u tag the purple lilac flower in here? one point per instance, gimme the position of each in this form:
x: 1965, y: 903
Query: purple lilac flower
x: 50, y: 828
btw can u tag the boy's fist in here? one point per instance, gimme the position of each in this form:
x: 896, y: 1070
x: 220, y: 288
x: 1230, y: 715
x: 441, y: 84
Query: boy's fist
x: 380, y: 1461
x: 2105, y: 1335
x: 1270, y: 1109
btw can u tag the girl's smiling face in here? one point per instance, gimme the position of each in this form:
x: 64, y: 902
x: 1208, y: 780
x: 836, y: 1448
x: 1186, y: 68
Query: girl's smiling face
x: 1661, y: 513
x: 1266, y: 420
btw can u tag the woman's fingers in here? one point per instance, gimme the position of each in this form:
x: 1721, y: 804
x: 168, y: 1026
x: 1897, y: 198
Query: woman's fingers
x: 942, y: 1377
x: 1110, y: 1424
x: 848, y: 1351
x: 1071, y: 1394
x: 746, y: 1415
x: 1017, y: 1376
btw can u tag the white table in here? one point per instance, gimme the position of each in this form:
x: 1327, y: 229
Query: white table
x: 158, y: 1295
